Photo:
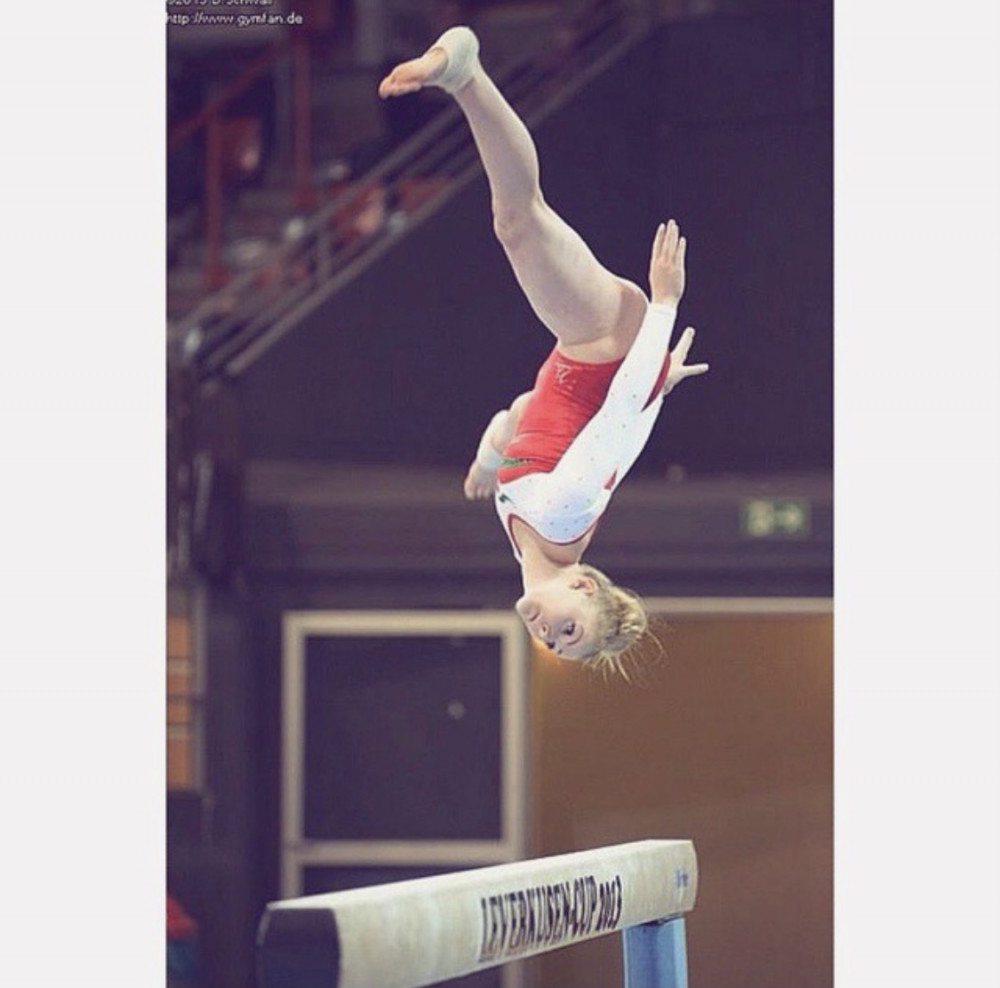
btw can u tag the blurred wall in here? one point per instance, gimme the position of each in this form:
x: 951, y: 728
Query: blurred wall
x: 725, y: 123
x: 729, y: 744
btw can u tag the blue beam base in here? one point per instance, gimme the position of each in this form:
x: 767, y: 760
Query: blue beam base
x: 656, y: 955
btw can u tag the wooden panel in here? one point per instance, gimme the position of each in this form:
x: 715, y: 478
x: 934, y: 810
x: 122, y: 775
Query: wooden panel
x: 178, y: 638
x: 180, y: 760
x: 180, y: 677
x: 179, y: 712
x: 729, y: 744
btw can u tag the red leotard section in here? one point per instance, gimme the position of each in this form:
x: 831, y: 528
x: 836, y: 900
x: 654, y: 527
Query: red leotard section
x: 567, y: 395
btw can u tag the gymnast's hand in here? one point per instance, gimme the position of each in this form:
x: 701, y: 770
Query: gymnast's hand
x: 479, y: 482
x: 666, y: 266
x: 678, y: 369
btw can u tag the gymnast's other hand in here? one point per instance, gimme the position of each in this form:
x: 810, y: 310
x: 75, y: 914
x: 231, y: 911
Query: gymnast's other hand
x: 479, y: 482
x: 666, y: 265
x: 678, y: 369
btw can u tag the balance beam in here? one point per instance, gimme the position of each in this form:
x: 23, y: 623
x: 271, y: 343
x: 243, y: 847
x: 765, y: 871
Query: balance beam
x: 408, y: 934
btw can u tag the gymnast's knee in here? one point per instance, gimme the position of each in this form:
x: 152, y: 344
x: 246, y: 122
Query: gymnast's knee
x: 513, y: 223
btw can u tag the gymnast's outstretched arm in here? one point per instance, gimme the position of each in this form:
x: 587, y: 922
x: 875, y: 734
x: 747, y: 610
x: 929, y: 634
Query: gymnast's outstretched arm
x: 679, y: 370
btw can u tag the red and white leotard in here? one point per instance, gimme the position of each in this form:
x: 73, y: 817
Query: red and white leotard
x: 580, y: 432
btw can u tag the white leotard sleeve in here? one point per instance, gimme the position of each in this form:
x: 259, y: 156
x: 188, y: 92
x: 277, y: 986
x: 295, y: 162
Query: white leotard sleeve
x: 638, y: 438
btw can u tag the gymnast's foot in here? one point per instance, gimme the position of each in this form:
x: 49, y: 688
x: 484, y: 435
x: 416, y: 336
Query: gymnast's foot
x: 408, y: 77
x: 449, y: 63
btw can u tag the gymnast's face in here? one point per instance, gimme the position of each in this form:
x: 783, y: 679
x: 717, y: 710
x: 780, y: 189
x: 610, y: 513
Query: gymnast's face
x: 561, y: 614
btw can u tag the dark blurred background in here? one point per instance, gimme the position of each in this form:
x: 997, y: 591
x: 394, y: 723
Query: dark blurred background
x: 341, y: 326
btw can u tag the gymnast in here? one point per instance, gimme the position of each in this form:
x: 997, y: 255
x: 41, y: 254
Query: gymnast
x: 553, y: 458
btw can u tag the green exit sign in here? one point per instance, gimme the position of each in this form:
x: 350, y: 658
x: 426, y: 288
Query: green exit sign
x: 773, y: 517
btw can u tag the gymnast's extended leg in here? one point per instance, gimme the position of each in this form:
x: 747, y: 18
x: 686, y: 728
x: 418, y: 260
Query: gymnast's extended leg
x: 594, y: 314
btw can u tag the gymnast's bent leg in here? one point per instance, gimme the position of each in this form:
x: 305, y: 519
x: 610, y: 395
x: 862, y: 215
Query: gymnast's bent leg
x: 593, y: 313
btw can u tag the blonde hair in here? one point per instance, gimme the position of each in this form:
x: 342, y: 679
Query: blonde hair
x: 621, y: 623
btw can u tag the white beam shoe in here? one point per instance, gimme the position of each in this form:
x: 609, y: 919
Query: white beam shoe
x: 461, y: 46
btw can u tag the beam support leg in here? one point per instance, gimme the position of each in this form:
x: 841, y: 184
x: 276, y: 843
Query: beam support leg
x: 656, y: 955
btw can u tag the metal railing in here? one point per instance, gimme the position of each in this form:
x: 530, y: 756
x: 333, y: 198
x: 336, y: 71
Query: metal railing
x: 227, y: 331
x: 211, y: 119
